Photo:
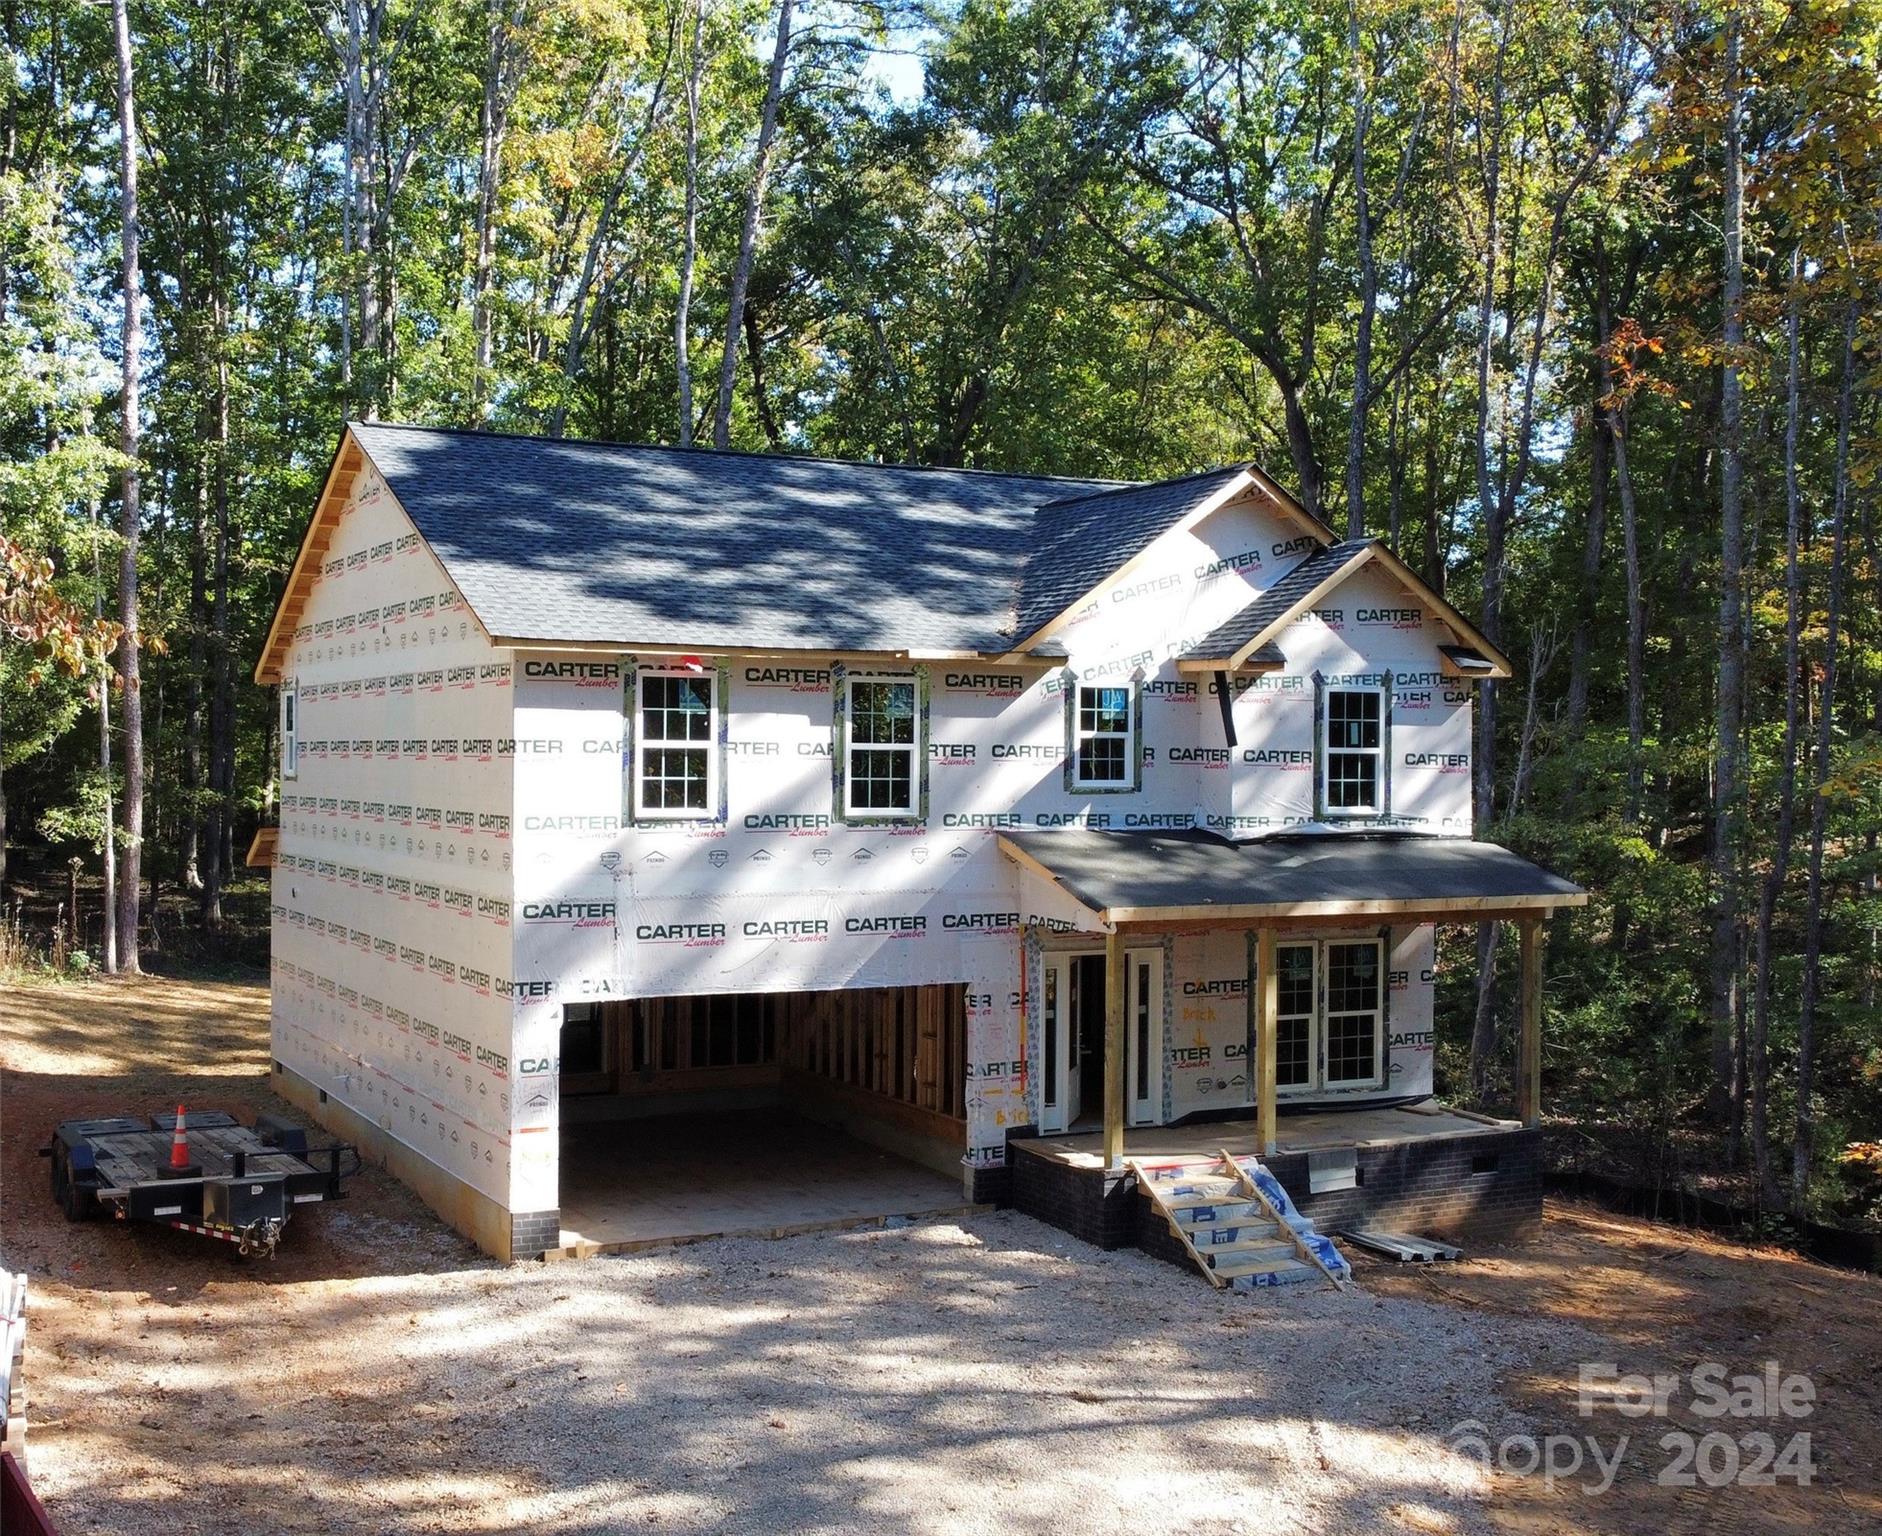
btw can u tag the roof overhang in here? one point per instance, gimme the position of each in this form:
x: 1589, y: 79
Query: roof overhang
x: 1199, y: 878
x: 344, y: 468
x: 261, y: 851
x: 1475, y: 658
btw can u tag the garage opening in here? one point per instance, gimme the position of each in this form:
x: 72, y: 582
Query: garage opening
x: 760, y: 1112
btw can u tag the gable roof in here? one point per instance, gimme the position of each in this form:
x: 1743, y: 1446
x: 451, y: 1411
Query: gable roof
x: 553, y: 541
x: 1232, y: 641
x: 1081, y: 541
x: 1250, y: 635
x: 556, y: 540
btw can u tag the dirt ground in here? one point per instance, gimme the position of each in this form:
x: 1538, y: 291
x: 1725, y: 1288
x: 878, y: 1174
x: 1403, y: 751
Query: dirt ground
x: 380, y: 1376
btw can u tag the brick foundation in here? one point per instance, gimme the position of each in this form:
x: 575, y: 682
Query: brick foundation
x: 533, y: 1232
x: 1433, y: 1186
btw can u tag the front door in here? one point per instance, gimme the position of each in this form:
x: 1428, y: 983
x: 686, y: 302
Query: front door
x: 1330, y: 1015
x: 1071, y: 1037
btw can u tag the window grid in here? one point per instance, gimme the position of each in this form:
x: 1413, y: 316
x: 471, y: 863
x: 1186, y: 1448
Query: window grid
x: 883, y: 746
x: 1352, y: 1017
x: 1293, y: 973
x: 1353, y: 750
x: 1104, y: 733
x: 677, y: 745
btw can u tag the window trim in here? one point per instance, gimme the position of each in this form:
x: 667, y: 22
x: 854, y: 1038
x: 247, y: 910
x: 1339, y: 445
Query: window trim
x: 291, y: 728
x: 1318, y: 1086
x: 843, y: 692
x: 1132, y: 734
x: 638, y: 742
x: 1381, y: 1054
x: 1381, y: 754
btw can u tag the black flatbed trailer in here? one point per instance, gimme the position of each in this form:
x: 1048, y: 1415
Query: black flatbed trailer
x: 241, y: 1184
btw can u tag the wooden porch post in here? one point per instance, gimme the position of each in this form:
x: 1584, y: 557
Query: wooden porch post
x: 1114, y: 1048
x: 1267, y: 1008
x: 1529, y: 1041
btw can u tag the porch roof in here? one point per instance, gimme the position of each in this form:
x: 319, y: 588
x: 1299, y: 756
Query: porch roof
x: 1194, y: 875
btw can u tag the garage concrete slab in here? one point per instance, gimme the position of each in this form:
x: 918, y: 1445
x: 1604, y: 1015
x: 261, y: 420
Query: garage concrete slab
x: 683, y: 1178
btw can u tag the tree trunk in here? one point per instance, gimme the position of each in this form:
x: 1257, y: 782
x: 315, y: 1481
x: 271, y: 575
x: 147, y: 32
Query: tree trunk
x: 1368, y: 289
x: 1731, y: 660
x: 748, y: 231
x: 689, y: 239
x: 216, y: 868
x: 1490, y: 509
x: 1598, y: 433
x: 1804, y: 1136
x: 502, y: 61
x: 1636, y: 624
x: 1760, y: 1057
x: 130, y: 889
x: 107, y: 918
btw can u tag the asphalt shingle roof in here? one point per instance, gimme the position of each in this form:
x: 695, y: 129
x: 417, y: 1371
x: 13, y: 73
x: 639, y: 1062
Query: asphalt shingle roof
x: 1079, y: 540
x: 556, y: 540
x: 1110, y: 870
x: 1230, y: 636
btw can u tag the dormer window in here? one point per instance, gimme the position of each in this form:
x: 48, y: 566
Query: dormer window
x: 1104, y: 738
x: 1352, y: 752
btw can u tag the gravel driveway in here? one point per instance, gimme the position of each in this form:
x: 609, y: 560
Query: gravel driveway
x: 935, y: 1378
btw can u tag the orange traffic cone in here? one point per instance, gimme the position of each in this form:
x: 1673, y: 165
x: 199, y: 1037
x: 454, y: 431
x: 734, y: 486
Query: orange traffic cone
x: 179, y: 1144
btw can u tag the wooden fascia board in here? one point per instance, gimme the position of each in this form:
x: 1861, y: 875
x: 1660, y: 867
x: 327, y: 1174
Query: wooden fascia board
x: 348, y: 459
x: 1213, y: 502
x: 1447, y: 615
x: 261, y: 850
x: 1290, y: 506
x: 1295, y: 610
x: 337, y: 488
x: 1462, y: 908
x: 1027, y: 862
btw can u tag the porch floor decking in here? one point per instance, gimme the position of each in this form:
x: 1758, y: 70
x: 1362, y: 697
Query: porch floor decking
x: 1314, y: 1131
x: 639, y: 1183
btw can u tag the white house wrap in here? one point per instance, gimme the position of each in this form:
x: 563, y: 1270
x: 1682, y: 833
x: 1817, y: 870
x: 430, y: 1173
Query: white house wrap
x: 571, y: 732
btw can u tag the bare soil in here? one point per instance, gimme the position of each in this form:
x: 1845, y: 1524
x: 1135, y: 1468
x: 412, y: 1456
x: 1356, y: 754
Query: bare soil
x: 381, y: 1376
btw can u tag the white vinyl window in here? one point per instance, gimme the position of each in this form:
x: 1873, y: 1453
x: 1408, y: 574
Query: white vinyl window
x: 1352, y: 1041
x: 1104, y: 738
x: 1352, y: 752
x: 883, y: 769
x: 676, y: 745
x: 290, y: 729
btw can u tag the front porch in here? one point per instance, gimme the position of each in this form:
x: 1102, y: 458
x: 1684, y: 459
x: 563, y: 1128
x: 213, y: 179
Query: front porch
x: 1421, y: 1168
x: 1414, y: 1165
